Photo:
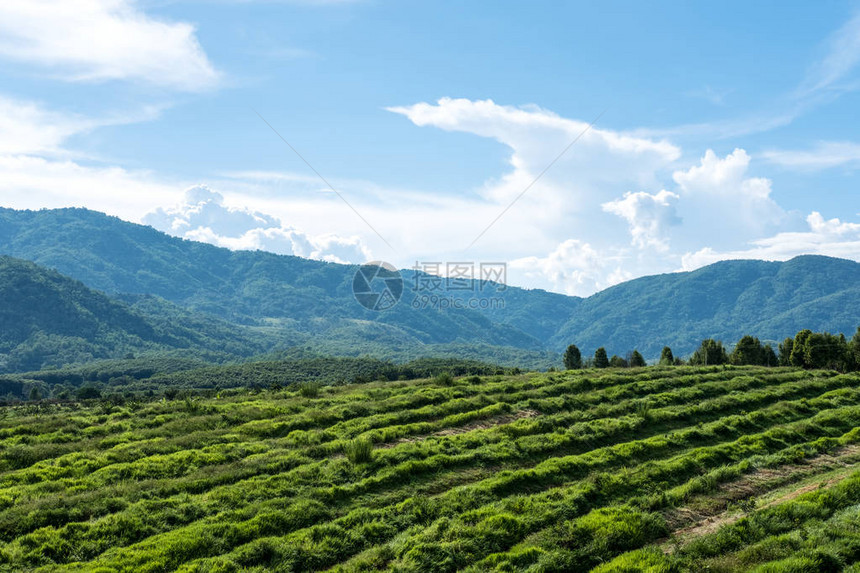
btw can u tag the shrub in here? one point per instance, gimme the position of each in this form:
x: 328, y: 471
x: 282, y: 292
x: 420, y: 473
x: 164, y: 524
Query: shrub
x: 310, y: 389
x: 444, y: 379
x: 359, y: 450
x: 88, y: 393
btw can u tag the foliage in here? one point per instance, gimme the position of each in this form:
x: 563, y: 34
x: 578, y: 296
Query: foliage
x: 637, y: 360
x: 561, y: 471
x: 168, y: 294
x: 310, y: 388
x: 666, y: 357
x: 600, y: 359
x: 710, y: 352
x: 572, y: 358
x: 722, y: 301
x: 359, y: 450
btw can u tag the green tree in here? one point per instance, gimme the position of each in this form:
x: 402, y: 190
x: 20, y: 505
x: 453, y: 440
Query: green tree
x: 709, y: 353
x: 748, y: 351
x: 854, y: 351
x: 666, y: 357
x: 88, y: 393
x: 600, y: 358
x: 572, y: 358
x: 637, y: 360
x: 798, y: 349
x: 35, y: 393
x: 617, y: 362
x: 824, y: 350
x: 785, y: 348
x: 770, y: 358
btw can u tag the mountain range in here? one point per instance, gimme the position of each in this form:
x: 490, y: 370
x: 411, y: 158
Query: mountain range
x: 78, y: 284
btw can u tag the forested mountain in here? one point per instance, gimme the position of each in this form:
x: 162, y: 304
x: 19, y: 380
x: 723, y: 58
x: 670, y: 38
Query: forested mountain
x: 294, y: 297
x: 47, y: 319
x: 237, y: 302
x: 725, y: 300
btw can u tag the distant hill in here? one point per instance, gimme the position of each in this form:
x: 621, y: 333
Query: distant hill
x: 289, y: 297
x: 724, y: 300
x: 236, y: 302
x: 47, y: 319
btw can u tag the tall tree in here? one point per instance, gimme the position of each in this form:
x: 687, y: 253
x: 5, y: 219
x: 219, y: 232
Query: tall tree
x: 785, y: 348
x: 748, y: 350
x: 824, y: 350
x: 600, y: 358
x: 709, y: 353
x: 798, y: 349
x: 770, y: 358
x: 572, y: 358
x: 637, y: 360
x: 666, y: 357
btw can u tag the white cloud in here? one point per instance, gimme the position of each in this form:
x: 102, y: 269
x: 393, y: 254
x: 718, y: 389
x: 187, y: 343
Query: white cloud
x: 35, y: 182
x: 28, y: 128
x: 600, y: 160
x: 824, y: 155
x: 38, y: 170
x: 649, y: 216
x: 574, y: 267
x: 96, y: 40
x: 718, y: 200
x: 566, y: 201
x: 843, y: 55
x: 204, y: 216
x: 831, y: 237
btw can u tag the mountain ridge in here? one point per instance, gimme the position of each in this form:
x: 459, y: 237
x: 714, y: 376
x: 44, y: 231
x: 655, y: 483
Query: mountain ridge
x: 296, y: 302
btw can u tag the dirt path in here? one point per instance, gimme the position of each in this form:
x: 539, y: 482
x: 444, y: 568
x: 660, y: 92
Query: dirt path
x: 732, y: 501
x: 484, y: 424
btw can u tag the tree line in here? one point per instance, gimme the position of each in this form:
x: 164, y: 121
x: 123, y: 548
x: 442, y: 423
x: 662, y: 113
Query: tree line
x: 807, y: 349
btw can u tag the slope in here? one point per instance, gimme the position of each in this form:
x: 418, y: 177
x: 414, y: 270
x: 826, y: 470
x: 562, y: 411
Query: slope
x: 724, y: 300
x: 47, y: 319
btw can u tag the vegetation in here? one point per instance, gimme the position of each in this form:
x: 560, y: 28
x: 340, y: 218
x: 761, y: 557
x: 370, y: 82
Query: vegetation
x: 234, y: 304
x: 666, y: 357
x: 600, y: 359
x: 138, y: 377
x: 572, y: 358
x: 557, y: 471
x: 723, y: 301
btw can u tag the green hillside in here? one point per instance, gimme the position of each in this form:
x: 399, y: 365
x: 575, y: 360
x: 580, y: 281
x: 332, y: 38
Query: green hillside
x: 657, y: 469
x: 293, y: 303
x: 723, y: 301
x: 297, y: 295
x: 47, y: 319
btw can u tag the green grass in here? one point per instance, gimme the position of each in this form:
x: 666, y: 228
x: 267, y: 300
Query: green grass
x: 566, y: 471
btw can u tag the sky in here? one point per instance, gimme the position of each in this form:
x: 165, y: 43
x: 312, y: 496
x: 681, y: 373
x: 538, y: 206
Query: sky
x: 583, y: 144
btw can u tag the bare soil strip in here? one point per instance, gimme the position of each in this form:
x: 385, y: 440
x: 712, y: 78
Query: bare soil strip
x: 484, y: 424
x: 763, y: 488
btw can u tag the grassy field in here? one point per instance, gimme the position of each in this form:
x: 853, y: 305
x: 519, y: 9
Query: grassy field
x: 653, y: 469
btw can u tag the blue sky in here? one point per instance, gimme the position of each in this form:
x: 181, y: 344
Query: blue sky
x: 725, y: 130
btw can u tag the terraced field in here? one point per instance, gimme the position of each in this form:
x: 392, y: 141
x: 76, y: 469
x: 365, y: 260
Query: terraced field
x: 653, y: 469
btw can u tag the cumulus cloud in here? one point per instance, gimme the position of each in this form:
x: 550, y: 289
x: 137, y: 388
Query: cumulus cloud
x: 601, y: 160
x: 720, y: 201
x: 574, y: 267
x: 204, y: 216
x: 649, y: 216
x: 831, y: 237
x: 96, y: 40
